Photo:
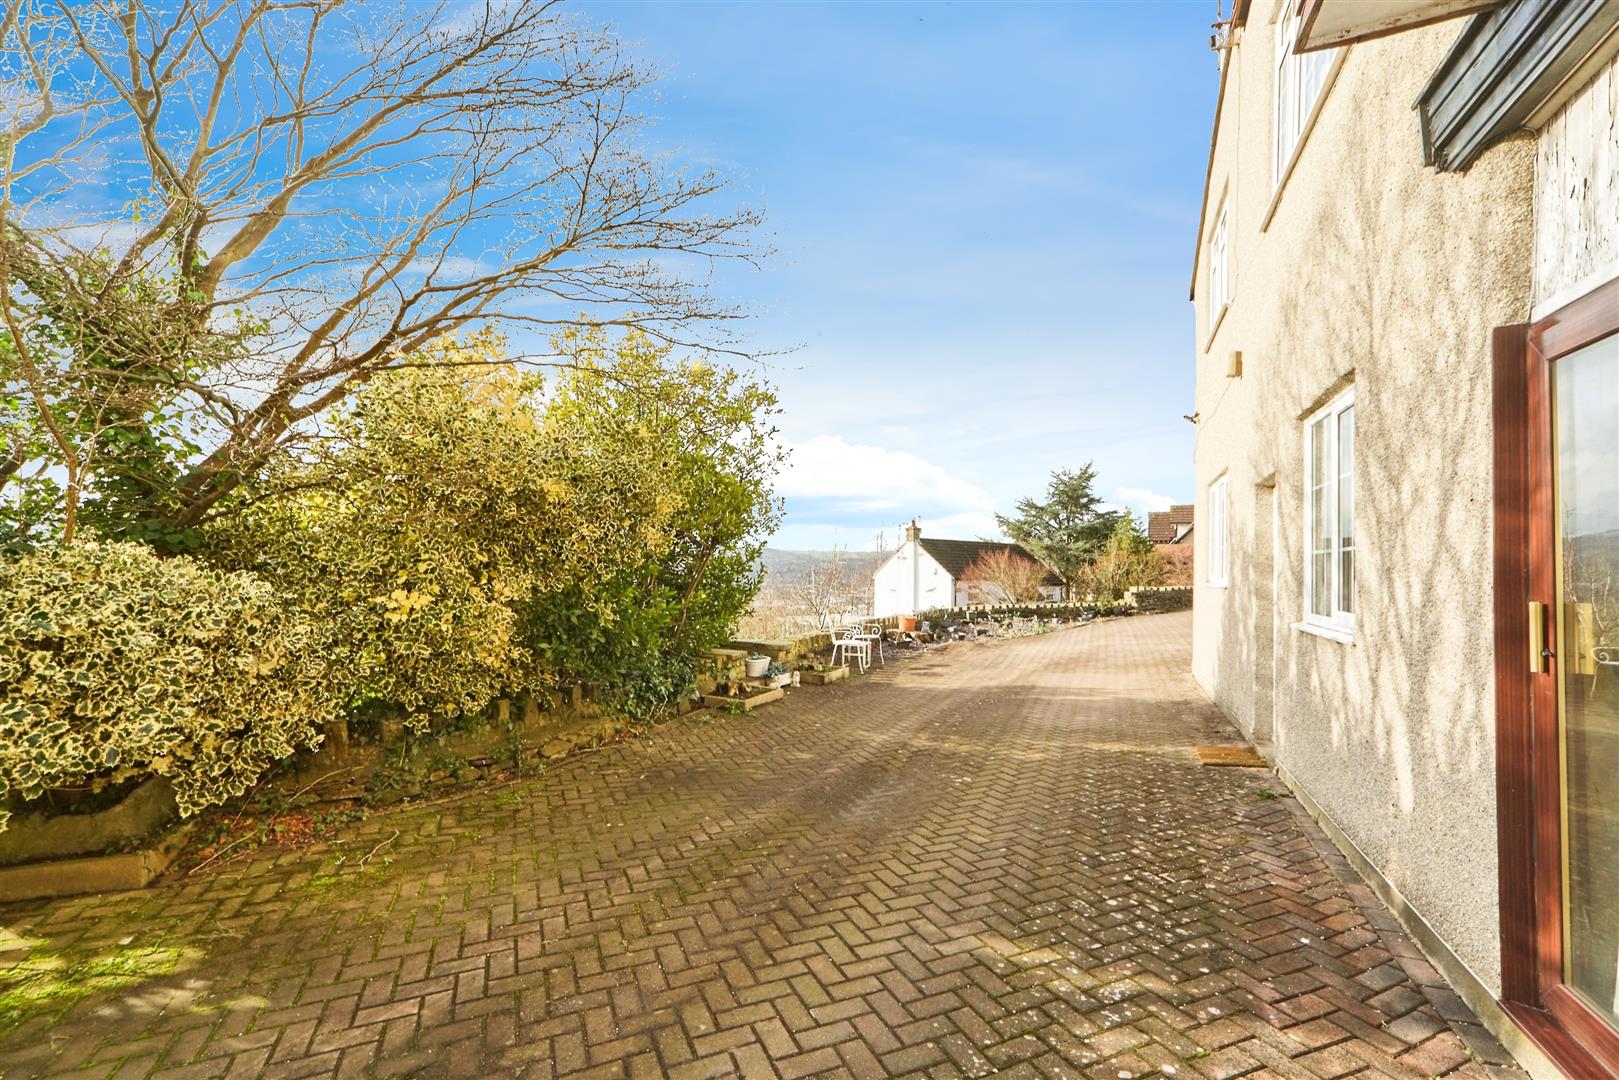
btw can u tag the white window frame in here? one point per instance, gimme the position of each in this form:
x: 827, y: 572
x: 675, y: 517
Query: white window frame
x: 1300, y: 80
x: 1218, y: 571
x: 1337, y: 621
x: 1220, y: 264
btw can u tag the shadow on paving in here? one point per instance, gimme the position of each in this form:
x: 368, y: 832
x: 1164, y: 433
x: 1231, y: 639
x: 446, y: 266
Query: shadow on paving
x: 1005, y: 860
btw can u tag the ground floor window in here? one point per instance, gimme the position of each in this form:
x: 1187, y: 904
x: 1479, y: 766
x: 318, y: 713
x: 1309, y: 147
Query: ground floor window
x: 1329, y: 496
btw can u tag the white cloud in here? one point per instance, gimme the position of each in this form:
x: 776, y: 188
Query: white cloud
x: 1142, y: 498
x: 874, y: 478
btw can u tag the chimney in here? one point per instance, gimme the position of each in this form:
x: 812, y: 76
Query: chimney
x: 912, y: 536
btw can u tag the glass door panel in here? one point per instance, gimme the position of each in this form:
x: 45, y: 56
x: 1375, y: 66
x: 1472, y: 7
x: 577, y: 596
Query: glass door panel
x: 1586, y: 423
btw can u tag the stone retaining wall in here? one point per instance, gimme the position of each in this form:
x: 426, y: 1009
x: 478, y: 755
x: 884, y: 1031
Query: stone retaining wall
x: 1160, y: 598
x: 38, y: 835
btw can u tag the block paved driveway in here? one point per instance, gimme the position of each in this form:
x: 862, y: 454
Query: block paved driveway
x: 1001, y: 858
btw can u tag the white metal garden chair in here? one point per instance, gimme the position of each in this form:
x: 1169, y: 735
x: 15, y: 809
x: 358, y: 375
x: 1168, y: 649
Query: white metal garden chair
x: 872, y: 634
x: 846, y: 642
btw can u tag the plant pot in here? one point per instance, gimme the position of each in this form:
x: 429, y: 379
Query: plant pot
x: 907, y: 622
x: 757, y: 666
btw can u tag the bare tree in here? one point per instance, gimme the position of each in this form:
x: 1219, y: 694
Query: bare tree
x: 1177, y: 560
x: 1002, y: 576
x: 1127, y: 560
x: 830, y: 589
x: 319, y: 188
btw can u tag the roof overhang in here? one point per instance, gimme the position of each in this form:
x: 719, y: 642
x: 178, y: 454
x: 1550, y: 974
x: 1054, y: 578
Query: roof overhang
x: 1239, y: 19
x: 1326, y: 24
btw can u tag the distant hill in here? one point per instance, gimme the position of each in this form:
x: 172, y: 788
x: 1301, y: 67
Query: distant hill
x: 784, y: 566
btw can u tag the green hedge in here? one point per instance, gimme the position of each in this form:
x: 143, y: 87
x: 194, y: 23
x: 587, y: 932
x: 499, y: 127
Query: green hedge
x: 117, y: 663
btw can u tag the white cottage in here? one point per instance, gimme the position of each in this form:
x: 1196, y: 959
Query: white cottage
x: 926, y: 573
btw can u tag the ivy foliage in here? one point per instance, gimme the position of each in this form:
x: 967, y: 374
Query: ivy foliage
x: 101, y: 396
x: 116, y: 662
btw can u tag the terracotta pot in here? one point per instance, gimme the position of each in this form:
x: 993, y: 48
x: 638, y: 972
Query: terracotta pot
x: 907, y: 622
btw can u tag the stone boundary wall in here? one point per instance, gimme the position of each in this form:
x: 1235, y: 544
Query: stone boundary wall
x: 1160, y: 598
x: 1041, y: 609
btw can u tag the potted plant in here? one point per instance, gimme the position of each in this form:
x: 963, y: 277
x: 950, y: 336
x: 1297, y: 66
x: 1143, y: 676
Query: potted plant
x: 757, y: 664
x: 818, y: 672
x: 741, y: 698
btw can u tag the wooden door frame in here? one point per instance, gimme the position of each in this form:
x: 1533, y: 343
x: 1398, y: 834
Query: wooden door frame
x: 1528, y: 758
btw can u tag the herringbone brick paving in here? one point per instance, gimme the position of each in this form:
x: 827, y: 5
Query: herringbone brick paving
x: 1002, y: 858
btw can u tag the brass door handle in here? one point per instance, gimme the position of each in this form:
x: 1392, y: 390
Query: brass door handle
x: 1537, y: 637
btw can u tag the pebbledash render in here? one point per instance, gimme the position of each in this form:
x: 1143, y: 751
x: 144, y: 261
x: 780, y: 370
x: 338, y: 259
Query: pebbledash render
x: 1407, y: 458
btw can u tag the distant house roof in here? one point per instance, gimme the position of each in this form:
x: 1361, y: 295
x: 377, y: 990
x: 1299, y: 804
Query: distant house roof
x: 1170, y: 526
x: 956, y: 555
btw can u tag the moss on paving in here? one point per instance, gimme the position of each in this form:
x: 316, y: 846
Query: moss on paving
x: 52, y: 982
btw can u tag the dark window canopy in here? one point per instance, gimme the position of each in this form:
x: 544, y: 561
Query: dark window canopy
x: 1508, y: 68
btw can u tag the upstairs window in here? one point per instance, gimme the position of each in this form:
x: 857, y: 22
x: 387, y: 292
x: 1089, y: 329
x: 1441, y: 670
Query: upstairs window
x: 1219, y: 571
x: 1220, y: 264
x: 1329, y: 498
x: 1300, y: 78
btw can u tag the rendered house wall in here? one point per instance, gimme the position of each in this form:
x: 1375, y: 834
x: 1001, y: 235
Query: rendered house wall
x: 1372, y: 271
x: 892, y: 583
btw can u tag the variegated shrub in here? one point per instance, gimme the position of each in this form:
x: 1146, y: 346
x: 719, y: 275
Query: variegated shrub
x: 116, y: 662
x: 439, y: 502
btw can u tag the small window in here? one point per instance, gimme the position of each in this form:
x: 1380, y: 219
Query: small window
x: 1219, y: 539
x: 1219, y: 264
x: 1329, y: 515
x: 1300, y: 78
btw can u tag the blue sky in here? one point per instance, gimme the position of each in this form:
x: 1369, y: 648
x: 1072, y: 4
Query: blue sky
x: 984, y: 218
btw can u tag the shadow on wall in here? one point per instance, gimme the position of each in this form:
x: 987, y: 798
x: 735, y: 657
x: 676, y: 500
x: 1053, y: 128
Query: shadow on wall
x: 1398, y: 294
